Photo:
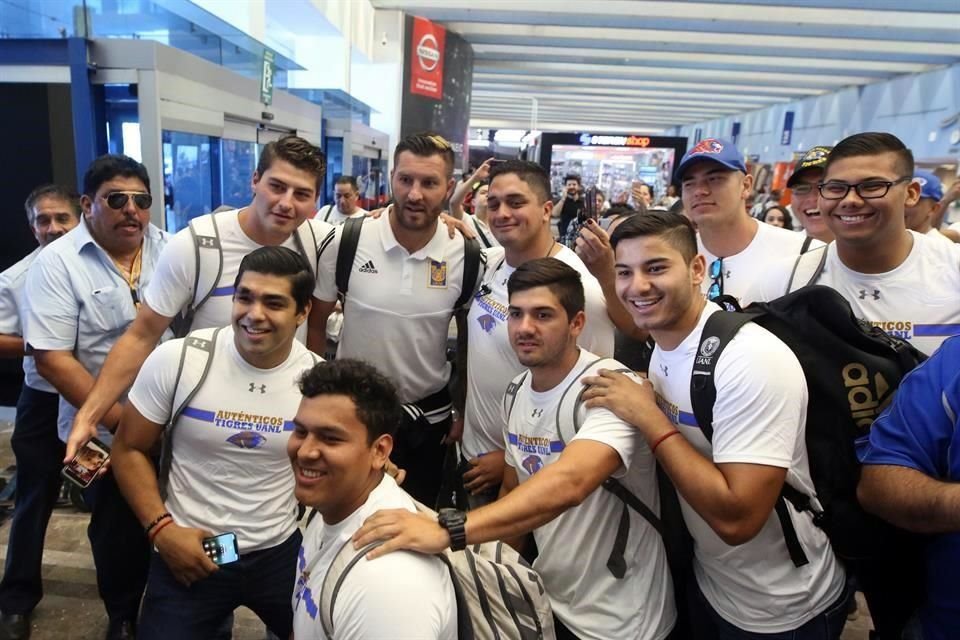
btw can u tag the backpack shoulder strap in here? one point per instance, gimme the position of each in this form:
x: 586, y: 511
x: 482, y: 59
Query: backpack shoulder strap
x: 206, y: 248
x: 305, y: 237
x: 480, y: 232
x: 807, y: 268
x: 327, y: 210
x: 718, y: 331
x: 472, y: 259
x: 196, y: 356
x: 349, y: 241
x: 806, y: 244
x: 564, y: 408
x: 345, y: 560
x: 510, y: 395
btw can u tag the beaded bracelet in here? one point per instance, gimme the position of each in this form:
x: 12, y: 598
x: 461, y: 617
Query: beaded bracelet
x: 159, y: 519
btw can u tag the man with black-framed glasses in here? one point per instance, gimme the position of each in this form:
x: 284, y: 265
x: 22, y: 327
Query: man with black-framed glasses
x: 896, y: 279
x: 82, y: 293
x: 742, y: 254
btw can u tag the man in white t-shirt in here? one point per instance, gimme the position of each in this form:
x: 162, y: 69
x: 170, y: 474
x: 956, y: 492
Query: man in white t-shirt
x: 919, y: 217
x: 603, y: 564
x: 899, y: 280
x: 346, y: 194
x: 519, y: 210
x: 341, y: 441
x: 741, y: 253
x: 728, y: 486
x: 224, y: 467
x: 405, y: 281
x: 52, y: 211
x: 285, y: 185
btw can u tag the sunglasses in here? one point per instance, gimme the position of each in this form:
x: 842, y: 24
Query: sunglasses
x: 716, y: 274
x: 119, y: 199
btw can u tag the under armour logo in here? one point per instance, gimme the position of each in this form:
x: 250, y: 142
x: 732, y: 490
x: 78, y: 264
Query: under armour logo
x: 536, y: 413
x: 728, y: 274
x: 875, y: 294
x: 199, y: 343
x: 254, y: 387
x: 206, y: 242
x: 664, y: 369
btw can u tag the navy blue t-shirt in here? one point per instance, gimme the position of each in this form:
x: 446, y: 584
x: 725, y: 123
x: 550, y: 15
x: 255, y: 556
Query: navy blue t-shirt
x: 920, y: 431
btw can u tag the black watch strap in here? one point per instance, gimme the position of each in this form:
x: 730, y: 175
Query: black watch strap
x: 454, y: 521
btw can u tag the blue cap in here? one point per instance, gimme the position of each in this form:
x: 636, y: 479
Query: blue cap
x: 930, y: 186
x: 718, y: 150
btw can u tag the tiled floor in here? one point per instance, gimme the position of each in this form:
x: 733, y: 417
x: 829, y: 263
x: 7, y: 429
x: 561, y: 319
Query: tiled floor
x: 71, y: 608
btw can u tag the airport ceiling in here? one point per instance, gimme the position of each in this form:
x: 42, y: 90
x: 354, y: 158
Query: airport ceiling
x: 638, y: 65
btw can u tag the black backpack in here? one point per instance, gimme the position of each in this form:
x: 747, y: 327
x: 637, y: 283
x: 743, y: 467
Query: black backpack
x: 852, y: 370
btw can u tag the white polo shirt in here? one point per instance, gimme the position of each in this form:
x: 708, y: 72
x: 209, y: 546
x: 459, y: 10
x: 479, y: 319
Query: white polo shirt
x: 399, y: 304
x: 491, y: 361
x: 331, y: 215
x: 12, y: 308
x: 746, y: 275
x: 171, y: 288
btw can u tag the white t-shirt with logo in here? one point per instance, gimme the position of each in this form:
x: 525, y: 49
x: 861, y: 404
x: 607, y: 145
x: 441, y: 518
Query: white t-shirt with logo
x: 918, y: 301
x: 491, y: 361
x: 403, y: 594
x: 759, y: 418
x: 171, y: 288
x: 398, y: 305
x: 575, y: 546
x: 760, y: 266
x: 229, y: 470
x: 330, y: 214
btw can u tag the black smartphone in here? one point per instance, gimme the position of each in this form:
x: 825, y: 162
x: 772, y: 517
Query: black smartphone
x: 589, y: 204
x: 85, y: 466
x: 222, y: 549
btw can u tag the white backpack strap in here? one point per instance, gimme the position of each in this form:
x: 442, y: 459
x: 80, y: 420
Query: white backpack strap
x: 208, y: 262
x: 196, y: 356
x: 345, y: 560
x: 807, y: 269
x: 510, y: 395
x: 570, y: 402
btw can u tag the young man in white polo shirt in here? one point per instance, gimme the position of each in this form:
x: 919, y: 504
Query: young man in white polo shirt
x: 899, y: 280
x: 285, y: 186
x: 741, y: 253
x: 340, y: 444
x: 405, y: 280
x: 603, y: 565
x: 519, y: 210
x: 225, y: 468
x: 748, y: 584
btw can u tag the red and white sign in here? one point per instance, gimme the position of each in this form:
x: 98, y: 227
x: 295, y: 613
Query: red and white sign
x: 426, y: 58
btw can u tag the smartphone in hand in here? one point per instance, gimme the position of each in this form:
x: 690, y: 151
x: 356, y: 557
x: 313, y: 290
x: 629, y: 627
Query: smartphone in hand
x: 222, y: 549
x: 85, y: 466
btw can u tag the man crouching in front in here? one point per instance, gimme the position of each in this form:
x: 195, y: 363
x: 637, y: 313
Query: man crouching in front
x: 340, y: 445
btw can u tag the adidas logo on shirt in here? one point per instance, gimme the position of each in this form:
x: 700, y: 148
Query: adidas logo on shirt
x: 368, y: 267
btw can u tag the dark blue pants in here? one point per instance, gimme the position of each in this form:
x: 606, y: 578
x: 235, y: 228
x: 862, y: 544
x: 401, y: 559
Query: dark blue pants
x: 121, y: 552
x: 39, y: 453
x: 262, y: 581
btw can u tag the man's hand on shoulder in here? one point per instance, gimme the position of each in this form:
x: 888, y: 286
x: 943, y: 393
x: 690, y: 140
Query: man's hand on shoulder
x: 401, y: 529
x: 182, y: 550
x: 633, y: 401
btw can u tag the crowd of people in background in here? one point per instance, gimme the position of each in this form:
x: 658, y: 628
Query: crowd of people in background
x: 302, y: 388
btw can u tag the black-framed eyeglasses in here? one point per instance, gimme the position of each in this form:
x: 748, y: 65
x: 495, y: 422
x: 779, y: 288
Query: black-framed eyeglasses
x: 119, y: 199
x: 869, y: 190
x: 803, y: 189
x: 716, y: 274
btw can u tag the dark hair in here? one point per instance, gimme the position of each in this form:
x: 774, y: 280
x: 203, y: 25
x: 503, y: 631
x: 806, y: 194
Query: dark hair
x: 426, y: 144
x: 872, y: 143
x: 560, y: 278
x: 572, y: 176
x: 530, y: 172
x: 374, y: 396
x: 675, y: 228
x: 349, y: 181
x: 787, y: 218
x: 56, y: 192
x: 109, y: 166
x: 300, y: 153
x: 281, y: 261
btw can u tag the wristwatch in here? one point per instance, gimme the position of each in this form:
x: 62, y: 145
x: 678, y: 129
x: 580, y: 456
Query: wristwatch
x: 455, y: 522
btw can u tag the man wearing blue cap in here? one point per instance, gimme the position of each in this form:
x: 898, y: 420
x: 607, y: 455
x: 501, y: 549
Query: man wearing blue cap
x: 743, y: 255
x: 919, y: 217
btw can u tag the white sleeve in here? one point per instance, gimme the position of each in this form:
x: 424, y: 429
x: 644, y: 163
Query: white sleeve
x: 400, y: 595
x: 327, y: 266
x: 761, y: 401
x: 9, y: 312
x: 153, y: 390
x: 170, y: 288
x: 602, y: 425
x: 53, y: 313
